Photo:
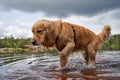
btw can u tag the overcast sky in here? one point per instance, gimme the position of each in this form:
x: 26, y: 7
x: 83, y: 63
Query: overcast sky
x: 18, y: 16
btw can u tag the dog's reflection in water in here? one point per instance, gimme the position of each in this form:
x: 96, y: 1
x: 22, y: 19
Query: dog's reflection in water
x: 73, y: 74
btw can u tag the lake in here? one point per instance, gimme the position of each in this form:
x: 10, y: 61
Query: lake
x: 37, y: 66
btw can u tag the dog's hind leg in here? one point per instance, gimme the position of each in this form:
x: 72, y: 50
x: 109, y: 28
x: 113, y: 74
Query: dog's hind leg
x: 92, y: 55
x: 92, y: 51
x: 86, y: 56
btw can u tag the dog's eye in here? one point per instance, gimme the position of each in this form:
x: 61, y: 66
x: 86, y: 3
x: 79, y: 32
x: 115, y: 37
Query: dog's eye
x: 38, y: 31
x: 32, y: 31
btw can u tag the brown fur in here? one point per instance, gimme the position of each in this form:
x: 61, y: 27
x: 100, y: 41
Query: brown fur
x: 68, y: 38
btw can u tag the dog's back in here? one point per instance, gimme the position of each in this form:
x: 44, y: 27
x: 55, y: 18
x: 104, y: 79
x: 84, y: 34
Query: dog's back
x: 82, y: 37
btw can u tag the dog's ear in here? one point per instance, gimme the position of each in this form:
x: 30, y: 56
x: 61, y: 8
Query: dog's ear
x: 50, y: 32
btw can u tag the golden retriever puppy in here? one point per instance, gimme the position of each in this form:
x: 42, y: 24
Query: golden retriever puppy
x: 68, y: 38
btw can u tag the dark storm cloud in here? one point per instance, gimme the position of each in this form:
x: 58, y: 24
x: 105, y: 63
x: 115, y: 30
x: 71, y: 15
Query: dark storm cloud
x: 61, y: 7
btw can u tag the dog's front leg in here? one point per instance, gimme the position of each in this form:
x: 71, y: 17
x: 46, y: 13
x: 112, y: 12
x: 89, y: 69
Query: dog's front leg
x: 64, y: 54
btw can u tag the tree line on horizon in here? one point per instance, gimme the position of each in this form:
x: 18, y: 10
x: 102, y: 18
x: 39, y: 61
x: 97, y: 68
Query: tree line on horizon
x: 112, y: 43
x: 11, y: 42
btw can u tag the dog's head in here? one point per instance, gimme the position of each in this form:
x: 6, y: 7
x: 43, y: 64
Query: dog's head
x: 45, y: 32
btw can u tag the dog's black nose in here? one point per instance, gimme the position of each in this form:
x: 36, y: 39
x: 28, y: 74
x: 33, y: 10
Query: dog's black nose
x: 33, y: 43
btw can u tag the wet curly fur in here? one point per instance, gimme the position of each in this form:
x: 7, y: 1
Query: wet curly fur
x: 68, y: 38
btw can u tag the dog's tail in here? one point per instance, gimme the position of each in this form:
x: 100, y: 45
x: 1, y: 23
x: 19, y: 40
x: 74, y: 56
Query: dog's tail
x: 105, y: 32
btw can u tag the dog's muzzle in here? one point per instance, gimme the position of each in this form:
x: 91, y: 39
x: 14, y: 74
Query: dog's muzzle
x: 35, y: 42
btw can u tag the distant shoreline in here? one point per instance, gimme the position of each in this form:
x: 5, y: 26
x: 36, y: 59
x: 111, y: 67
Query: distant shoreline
x: 13, y: 49
x: 29, y: 49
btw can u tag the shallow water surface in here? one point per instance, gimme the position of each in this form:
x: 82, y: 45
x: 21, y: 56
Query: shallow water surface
x: 44, y: 67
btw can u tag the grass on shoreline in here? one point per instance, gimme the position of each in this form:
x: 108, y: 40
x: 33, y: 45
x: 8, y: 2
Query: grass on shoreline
x: 36, y: 49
